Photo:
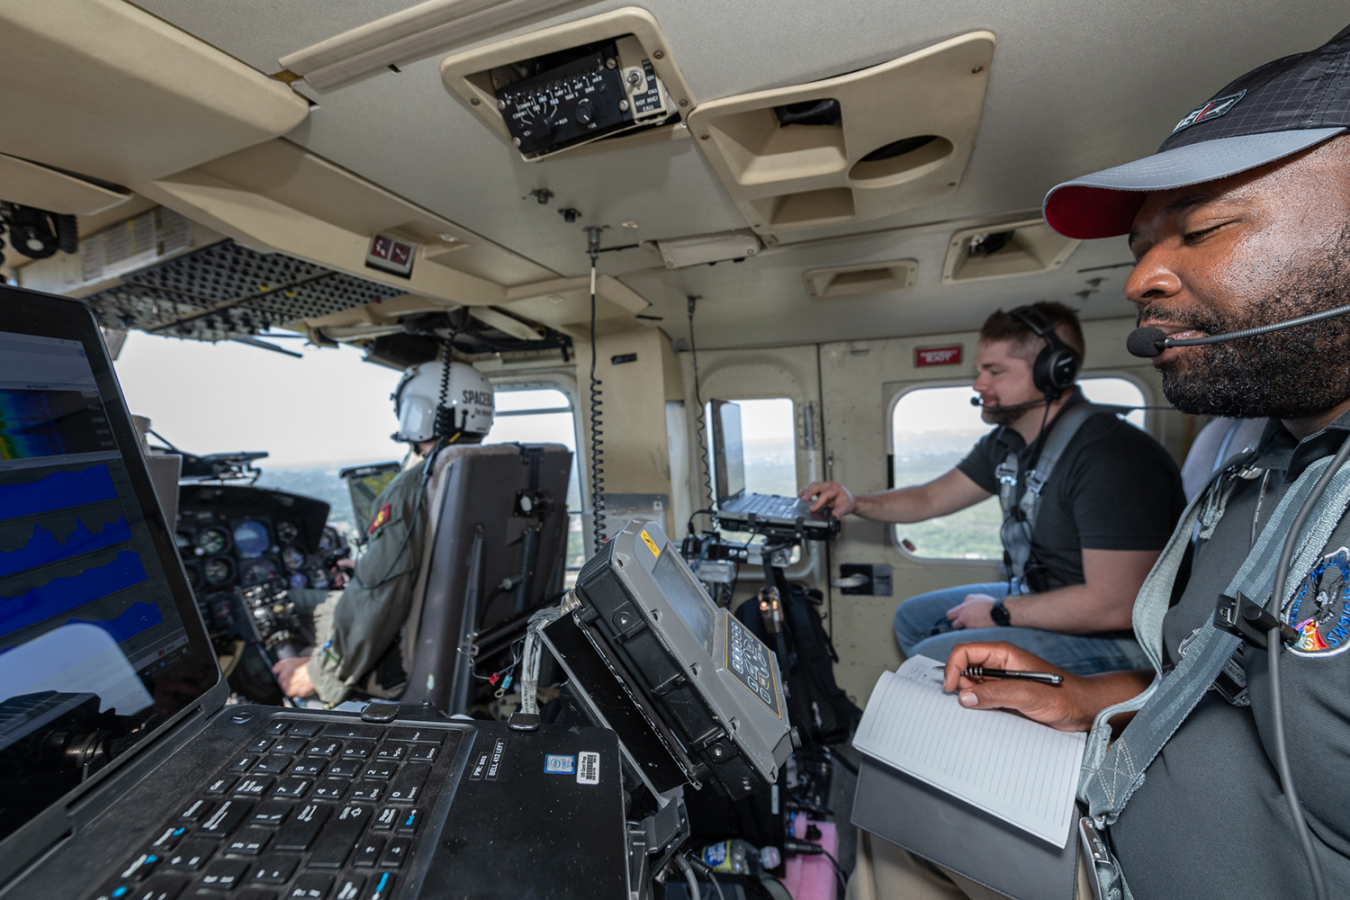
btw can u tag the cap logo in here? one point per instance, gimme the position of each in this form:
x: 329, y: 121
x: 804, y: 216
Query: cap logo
x: 1210, y: 109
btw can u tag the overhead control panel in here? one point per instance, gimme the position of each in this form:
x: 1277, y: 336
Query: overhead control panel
x: 607, y: 79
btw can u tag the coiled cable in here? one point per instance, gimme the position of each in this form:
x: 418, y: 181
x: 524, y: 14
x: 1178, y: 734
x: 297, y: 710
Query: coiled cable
x: 700, y: 420
x: 597, y: 445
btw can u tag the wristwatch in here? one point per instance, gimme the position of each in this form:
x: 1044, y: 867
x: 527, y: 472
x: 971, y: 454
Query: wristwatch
x: 999, y: 613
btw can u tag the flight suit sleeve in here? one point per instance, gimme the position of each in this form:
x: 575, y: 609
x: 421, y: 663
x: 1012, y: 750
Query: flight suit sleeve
x: 366, y: 617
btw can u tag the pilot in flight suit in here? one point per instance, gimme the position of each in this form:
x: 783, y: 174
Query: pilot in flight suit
x: 358, y: 628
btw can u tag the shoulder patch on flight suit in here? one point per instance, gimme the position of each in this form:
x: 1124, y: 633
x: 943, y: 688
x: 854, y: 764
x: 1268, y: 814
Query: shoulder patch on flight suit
x: 1319, y: 610
x: 381, y: 519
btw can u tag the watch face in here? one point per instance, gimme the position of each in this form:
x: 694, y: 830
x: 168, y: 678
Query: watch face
x: 999, y: 613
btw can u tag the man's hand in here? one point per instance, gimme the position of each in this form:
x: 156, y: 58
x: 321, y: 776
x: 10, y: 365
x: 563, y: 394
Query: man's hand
x: 973, y: 612
x: 293, y: 676
x: 829, y: 494
x: 1071, y: 706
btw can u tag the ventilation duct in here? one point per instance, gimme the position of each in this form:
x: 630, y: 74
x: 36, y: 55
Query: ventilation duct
x: 1004, y: 250
x: 853, y: 281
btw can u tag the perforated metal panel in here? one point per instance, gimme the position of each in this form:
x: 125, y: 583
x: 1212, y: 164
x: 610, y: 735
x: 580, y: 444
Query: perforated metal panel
x: 226, y: 290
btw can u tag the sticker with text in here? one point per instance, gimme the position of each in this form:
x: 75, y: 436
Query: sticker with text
x: 588, y: 768
x: 559, y: 764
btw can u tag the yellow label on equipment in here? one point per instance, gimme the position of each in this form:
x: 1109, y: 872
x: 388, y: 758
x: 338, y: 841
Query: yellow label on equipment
x: 651, y: 544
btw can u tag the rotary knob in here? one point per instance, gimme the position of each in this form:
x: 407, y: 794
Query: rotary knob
x: 585, y: 112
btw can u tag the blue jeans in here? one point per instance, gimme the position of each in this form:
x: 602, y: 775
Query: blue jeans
x: 922, y: 628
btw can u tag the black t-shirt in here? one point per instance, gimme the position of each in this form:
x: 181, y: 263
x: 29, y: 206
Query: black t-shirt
x: 1210, y: 819
x: 1114, y: 488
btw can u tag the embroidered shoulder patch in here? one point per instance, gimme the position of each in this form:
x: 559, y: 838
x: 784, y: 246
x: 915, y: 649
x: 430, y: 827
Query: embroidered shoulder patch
x: 1319, y: 609
x: 381, y: 519
x: 1211, y: 109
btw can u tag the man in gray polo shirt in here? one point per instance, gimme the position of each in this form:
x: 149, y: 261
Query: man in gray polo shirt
x: 1242, y: 219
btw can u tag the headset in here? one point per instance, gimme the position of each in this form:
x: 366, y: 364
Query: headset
x: 1057, y: 364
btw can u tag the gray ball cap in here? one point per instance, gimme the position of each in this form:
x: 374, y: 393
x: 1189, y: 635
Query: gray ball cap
x: 1277, y: 109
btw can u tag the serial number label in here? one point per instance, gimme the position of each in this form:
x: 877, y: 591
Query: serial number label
x: 749, y: 661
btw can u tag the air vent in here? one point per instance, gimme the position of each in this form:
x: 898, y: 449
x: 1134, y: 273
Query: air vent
x: 853, y: 281
x: 1005, y: 250
x: 860, y: 146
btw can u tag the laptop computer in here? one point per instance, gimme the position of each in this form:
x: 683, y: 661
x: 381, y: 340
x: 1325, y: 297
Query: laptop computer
x: 739, y: 510
x: 124, y: 772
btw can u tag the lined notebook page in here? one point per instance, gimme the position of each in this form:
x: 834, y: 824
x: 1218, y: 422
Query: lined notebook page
x: 1018, y: 770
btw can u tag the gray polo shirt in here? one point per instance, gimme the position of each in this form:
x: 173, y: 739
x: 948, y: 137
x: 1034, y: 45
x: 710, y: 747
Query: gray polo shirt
x: 1210, y: 819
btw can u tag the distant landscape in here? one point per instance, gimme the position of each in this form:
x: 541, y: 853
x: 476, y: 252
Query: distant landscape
x: 321, y: 482
x: 970, y: 534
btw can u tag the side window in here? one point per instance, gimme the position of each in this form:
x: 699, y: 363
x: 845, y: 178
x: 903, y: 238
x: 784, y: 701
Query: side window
x: 544, y: 416
x: 769, y: 437
x: 932, y: 429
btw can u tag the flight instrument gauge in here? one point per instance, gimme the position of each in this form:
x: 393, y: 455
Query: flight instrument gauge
x: 292, y: 557
x: 258, y: 571
x: 287, y: 532
x: 212, y: 541
x: 218, y: 572
x: 251, y: 537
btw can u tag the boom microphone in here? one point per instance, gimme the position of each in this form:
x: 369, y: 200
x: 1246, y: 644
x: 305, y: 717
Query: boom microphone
x: 975, y: 401
x: 1149, y: 342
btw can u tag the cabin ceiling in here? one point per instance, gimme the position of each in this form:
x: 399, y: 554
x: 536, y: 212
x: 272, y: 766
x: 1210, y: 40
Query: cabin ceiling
x: 1073, y: 87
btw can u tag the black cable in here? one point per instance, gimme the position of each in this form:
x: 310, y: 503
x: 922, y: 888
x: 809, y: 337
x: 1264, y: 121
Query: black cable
x: 597, y: 445
x: 700, y: 420
x: 839, y: 874
x: 1274, y: 644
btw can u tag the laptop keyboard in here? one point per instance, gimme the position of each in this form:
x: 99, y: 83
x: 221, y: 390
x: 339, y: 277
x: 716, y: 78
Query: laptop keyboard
x: 310, y: 810
x: 768, y: 505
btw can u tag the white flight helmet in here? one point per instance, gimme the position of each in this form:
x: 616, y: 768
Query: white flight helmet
x: 468, y: 400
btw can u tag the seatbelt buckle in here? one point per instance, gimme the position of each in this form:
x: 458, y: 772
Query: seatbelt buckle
x: 1249, y: 620
x: 1101, y: 865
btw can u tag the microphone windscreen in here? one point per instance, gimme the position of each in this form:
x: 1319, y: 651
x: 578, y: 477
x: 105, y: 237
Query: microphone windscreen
x: 1146, y: 342
x: 975, y: 401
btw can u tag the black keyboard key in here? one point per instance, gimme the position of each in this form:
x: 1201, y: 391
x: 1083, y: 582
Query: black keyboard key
x: 409, y: 784
x: 253, y: 785
x: 386, y: 819
x: 308, y: 766
x: 380, y: 769
x: 325, y: 747
x: 141, y: 867
x: 345, y: 768
x: 350, y: 886
x: 256, y: 894
x: 331, y: 789
x: 161, y: 887
x: 393, y: 752
x: 168, y: 838
x: 272, y: 813
x: 277, y: 727
x: 305, y: 729
x: 260, y: 745
x: 224, y: 874
x: 311, y: 886
x: 292, y: 788
x: 225, y: 819
x: 190, y: 856
x: 368, y: 852
x: 424, y: 752
x: 338, y: 837
x: 219, y: 787
x: 407, y: 823
x: 368, y: 791
x: 272, y: 765
x: 381, y: 887
x: 275, y: 869
x: 304, y: 827
x: 243, y: 763
x: 358, y: 749
x: 352, y: 730
x: 395, y: 852
x: 290, y: 745
x: 196, y: 810
x: 248, y: 842
x: 417, y: 735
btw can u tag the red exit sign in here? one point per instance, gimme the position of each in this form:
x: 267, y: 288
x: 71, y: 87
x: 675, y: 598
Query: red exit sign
x: 937, y: 356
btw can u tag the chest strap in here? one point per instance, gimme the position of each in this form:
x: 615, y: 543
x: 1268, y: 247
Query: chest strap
x: 1112, y: 772
x: 1019, y: 512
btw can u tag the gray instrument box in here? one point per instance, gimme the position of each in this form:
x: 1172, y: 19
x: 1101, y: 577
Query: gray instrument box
x: 692, y: 679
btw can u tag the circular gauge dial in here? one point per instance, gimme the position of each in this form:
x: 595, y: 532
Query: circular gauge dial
x: 330, y: 540
x: 287, y: 532
x: 299, y: 581
x: 293, y: 558
x: 258, y: 571
x: 251, y: 537
x: 213, y: 540
x: 218, y: 571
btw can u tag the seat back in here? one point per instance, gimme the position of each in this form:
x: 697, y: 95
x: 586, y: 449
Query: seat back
x: 482, y: 536
x: 1216, y: 442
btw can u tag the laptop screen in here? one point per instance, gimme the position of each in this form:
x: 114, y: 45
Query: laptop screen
x: 728, y: 450
x: 100, y: 639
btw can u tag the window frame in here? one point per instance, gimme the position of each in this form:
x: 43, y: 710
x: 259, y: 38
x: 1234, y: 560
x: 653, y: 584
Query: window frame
x: 888, y: 428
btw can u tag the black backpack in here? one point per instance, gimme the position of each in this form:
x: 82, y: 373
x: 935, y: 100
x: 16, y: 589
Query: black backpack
x: 818, y: 707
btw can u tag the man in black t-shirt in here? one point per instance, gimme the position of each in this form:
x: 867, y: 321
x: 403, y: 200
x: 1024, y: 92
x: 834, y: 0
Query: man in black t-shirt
x: 1106, y: 509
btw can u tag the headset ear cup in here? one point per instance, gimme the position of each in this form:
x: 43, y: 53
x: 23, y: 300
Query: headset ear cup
x: 1063, y: 368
